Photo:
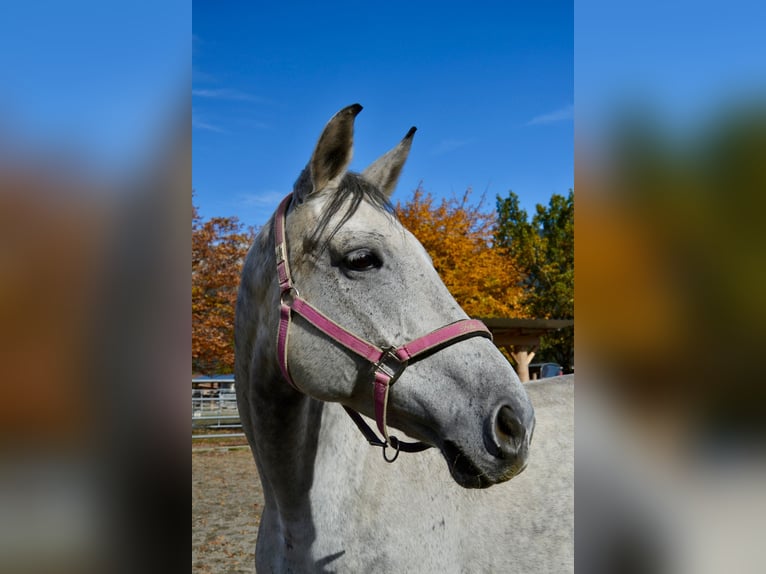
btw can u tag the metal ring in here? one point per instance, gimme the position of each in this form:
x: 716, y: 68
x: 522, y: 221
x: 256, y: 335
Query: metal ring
x: 394, y: 443
x: 289, y: 296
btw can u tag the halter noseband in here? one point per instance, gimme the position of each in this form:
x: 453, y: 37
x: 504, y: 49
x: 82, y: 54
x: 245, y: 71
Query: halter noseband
x: 387, y: 363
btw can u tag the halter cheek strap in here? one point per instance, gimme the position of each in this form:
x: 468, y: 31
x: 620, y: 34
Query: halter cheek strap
x: 387, y: 364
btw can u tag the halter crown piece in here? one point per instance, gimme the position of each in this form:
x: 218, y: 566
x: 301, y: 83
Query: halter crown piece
x: 387, y: 363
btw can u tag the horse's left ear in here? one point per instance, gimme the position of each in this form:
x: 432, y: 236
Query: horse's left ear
x: 385, y: 171
x: 332, y: 154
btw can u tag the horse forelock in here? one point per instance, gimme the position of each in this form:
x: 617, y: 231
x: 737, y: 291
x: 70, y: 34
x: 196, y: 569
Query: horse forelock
x: 351, y: 193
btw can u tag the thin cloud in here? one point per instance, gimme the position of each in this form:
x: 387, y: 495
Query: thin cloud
x: 202, y: 77
x: 203, y: 125
x: 449, y: 145
x: 261, y: 199
x: 258, y: 205
x: 225, y: 94
x: 562, y: 114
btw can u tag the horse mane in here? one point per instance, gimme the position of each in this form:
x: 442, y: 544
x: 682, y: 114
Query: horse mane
x: 352, y: 191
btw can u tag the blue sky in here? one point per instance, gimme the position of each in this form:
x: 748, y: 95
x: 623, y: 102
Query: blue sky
x: 683, y: 61
x: 102, y: 81
x: 97, y: 82
x: 489, y: 86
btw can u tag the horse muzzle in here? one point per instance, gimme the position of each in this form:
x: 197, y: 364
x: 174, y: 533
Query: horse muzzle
x: 506, y: 433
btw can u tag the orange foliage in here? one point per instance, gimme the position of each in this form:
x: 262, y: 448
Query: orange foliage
x: 458, y: 237
x: 51, y: 280
x: 219, y: 247
x: 621, y: 259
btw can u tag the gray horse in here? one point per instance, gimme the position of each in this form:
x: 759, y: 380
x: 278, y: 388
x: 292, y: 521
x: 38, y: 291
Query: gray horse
x: 341, y: 312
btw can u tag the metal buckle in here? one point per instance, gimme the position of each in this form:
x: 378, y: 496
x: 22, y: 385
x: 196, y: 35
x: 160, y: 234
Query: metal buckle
x: 280, y: 253
x: 390, y: 364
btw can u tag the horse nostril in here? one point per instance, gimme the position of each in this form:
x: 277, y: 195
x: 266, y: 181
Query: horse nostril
x: 508, y: 433
x: 507, y: 427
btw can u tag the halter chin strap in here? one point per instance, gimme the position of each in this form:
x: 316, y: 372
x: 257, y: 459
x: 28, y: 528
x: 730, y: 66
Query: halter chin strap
x: 387, y: 364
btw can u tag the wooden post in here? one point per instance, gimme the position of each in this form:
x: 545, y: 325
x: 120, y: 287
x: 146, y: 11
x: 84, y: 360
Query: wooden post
x: 522, y: 355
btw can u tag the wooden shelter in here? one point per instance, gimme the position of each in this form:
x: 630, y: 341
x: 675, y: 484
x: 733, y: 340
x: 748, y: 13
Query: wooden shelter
x: 521, y: 338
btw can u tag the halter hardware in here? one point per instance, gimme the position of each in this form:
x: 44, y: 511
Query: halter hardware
x: 289, y: 296
x: 390, y: 364
x: 395, y: 444
x: 387, y: 363
x: 281, y: 252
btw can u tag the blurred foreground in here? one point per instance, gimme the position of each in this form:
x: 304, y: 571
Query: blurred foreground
x: 94, y: 349
x: 95, y: 173
x: 671, y: 409
x: 670, y: 249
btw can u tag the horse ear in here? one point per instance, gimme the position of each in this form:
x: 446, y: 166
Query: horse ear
x: 332, y: 154
x: 384, y: 172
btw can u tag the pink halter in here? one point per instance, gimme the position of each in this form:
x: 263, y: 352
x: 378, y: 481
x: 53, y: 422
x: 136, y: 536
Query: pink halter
x: 388, y: 363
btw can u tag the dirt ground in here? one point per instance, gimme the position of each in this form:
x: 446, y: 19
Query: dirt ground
x: 226, y: 506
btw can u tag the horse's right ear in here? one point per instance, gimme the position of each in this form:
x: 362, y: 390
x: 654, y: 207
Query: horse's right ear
x: 331, y: 156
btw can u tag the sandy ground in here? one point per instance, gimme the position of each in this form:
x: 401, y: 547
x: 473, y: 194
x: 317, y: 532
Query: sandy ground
x: 226, y: 506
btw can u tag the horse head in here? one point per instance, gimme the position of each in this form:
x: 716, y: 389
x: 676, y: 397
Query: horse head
x: 350, y: 258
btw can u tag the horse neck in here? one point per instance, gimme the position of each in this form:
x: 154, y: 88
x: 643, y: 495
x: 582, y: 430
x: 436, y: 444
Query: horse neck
x: 283, y: 424
x: 286, y: 431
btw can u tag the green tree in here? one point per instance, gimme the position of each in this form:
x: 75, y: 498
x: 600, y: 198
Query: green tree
x: 543, y: 250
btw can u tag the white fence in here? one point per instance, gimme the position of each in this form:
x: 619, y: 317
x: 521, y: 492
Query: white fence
x: 214, y: 408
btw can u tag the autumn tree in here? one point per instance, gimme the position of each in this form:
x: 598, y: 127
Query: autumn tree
x: 459, y: 239
x: 543, y: 249
x: 219, y: 246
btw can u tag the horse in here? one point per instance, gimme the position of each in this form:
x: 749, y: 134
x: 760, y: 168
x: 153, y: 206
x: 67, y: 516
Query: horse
x: 342, y: 320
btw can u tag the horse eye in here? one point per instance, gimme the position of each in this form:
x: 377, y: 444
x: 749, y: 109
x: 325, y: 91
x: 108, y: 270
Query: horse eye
x: 362, y: 260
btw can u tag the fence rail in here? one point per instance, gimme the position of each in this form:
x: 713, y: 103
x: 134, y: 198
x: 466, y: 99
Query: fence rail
x: 214, y: 408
